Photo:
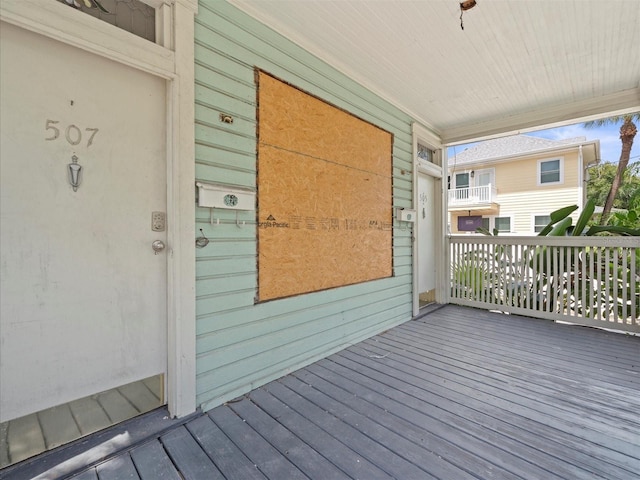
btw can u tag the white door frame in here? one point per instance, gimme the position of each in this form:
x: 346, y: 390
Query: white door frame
x: 429, y: 139
x: 172, y: 59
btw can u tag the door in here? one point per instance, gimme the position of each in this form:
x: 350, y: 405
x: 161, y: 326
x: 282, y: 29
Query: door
x: 83, y: 169
x: 484, y: 178
x: 426, y: 239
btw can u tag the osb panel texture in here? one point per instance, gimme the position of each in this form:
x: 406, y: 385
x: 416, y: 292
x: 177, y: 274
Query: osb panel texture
x: 324, y: 195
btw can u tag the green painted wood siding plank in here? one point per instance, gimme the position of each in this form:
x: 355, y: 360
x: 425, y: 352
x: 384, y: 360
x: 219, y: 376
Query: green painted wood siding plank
x: 270, y: 331
x: 214, y: 59
x: 401, y: 270
x: 205, y: 95
x: 224, y: 175
x: 229, y: 283
x: 236, y: 331
x: 235, y: 388
x: 276, y: 360
x: 402, y: 241
x: 219, y: 138
x: 304, y: 307
x: 402, y: 260
x: 225, y: 301
x: 220, y: 248
x: 222, y: 371
x: 210, y: 117
x: 402, y: 147
x: 208, y: 267
x: 219, y: 157
x: 244, y: 92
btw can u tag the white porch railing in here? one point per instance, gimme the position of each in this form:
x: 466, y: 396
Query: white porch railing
x: 592, y: 281
x: 472, y: 195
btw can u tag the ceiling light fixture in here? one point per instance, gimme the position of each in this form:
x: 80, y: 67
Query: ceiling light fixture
x: 464, y: 6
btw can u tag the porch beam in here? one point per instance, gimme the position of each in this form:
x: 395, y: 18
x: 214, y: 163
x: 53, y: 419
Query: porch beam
x: 626, y: 101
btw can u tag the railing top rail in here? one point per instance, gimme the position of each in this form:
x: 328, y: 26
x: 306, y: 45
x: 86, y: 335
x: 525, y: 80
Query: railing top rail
x: 580, y: 241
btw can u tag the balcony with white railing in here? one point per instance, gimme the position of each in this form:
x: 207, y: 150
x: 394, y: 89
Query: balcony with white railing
x: 474, y: 197
x: 592, y: 281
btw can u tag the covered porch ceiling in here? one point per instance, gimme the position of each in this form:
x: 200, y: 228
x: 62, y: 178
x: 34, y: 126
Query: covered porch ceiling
x: 517, y: 65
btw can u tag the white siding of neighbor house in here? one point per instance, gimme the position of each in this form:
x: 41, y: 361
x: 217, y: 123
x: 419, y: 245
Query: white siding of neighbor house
x: 240, y: 344
x: 521, y: 207
x: 519, y: 195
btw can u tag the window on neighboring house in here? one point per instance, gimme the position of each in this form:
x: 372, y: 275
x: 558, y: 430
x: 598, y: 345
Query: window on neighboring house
x: 462, y: 180
x: 550, y: 171
x: 503, y: 224
x: 540, y: 221
x: 484, y: 178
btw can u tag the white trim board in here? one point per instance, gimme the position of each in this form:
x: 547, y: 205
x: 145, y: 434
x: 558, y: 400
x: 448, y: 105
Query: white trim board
x: 428, y: 138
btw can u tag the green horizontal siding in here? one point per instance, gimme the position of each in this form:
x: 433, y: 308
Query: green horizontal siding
x: 241, y: 344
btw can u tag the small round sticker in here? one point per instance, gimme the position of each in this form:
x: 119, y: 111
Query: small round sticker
x: 230, y: 200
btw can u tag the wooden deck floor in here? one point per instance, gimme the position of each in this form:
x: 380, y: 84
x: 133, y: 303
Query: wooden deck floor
x: 33, y: 434
x: 458, y: 394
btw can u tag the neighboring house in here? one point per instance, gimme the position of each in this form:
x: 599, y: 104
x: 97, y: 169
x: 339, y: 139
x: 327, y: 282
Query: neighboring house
x: 513, y: 183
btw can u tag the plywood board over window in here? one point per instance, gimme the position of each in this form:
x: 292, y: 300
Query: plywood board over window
x: 324, y: 194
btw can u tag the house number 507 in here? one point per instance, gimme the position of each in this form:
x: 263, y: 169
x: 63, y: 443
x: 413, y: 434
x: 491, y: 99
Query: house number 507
x: 72, y: 133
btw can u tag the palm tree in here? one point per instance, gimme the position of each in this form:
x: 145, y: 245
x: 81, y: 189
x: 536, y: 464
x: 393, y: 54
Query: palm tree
x: 628, y: 131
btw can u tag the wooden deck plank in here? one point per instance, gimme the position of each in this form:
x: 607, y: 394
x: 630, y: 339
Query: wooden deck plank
x: 525, y: 430
x: 500, y: 431
x: 536, y: 356
x: 449, y: 457
x: 25, y: 438
x: 155, y: 385
x: 68, y: 460
x: 153, y: 463
x: 89, y: 415
x: 87, y: 475
x: 497, y: 406
x: 566, y: 397
x: 117, y: 468
x: 408, y: 404
x: 4, y: 444
x: 567, y: 366
x: 58, y: 426
x: 310, y: 462
x: 539, y: 341
x: 545, y: 404
x: 116, y: 406
x: 561, y: 401
x: 140, y: 396
x: 192, y: 462
x: 570, y: 391
x: 229, y: 459
x: 337, y: 450
x: 362, y: 444
x: 370, y: 423
x: 266, y: 458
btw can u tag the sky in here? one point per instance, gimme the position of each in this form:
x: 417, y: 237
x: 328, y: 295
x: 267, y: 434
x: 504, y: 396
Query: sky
x: 609, y: 137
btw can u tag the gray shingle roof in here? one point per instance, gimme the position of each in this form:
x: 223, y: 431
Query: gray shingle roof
x: 507, y: 146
